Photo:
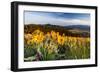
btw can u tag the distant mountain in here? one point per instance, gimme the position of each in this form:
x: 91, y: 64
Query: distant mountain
x: 79, y: 27
x: 70, y: 30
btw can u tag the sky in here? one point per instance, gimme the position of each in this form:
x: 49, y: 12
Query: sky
x: 56, y: 18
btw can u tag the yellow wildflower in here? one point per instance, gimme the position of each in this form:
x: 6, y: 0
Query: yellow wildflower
x: 61, y: 40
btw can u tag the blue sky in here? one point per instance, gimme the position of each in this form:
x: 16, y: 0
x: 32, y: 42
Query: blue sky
x: 56, y: 18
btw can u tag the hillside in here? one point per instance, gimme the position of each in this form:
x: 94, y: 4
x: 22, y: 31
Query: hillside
x: 71, y: 30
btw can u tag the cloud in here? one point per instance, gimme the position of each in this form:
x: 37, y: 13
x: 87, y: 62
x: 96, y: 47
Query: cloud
x: 76, y: 21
